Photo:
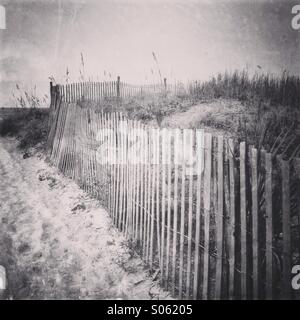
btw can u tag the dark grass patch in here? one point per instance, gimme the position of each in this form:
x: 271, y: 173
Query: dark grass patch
x: 29, y: 126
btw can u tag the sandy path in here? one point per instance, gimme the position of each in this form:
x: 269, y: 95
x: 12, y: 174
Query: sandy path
x: 52, y: 252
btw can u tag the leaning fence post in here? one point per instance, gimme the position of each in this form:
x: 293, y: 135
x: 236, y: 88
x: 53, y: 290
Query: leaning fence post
x: 57, y: 94
x: 118, y: 87
x: 51, y: 92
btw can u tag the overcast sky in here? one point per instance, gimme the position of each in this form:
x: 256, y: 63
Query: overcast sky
x: 191, y: 39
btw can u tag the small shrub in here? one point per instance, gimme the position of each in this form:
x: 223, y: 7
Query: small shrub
x: 29, y: 126
x: 8, y: 127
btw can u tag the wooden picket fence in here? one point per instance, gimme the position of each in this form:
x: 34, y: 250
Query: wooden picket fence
x: 97, y: 91
x: 219, y: 220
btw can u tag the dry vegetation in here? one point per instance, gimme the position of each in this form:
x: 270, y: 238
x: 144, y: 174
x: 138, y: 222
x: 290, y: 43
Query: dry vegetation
x: 262, y: 110
x: 29, y: 126
x: 28, y: 120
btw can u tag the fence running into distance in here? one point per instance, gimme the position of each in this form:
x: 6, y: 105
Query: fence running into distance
x: 96, y: 91
x: 217, y: 219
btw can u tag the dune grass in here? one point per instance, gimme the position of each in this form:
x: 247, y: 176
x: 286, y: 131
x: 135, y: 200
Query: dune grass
x: 281, y: 90
x: 262, y: 109
x: 29, y: 126
x: 267, y: 115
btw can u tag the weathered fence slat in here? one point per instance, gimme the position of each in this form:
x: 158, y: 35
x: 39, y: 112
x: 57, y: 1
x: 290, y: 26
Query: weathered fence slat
x: 190, y: 156
x: 163, y: 202
x: 286, y: 231
x: 134, y: 180
x: 255, y: 248
x: 182, y: 214
x: 152, y: 212
x: 231, y: 252
x: 168, y: 193
x: 199, y: 168
x: 175, y: 204
x: 146, y: 170
x: 243, y: 227
x: 269, y: 227
x: 123, y: 175
x: 148, y: 200
x: 219, y: 219
x: 157, y: 171
x: 206, y: 221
